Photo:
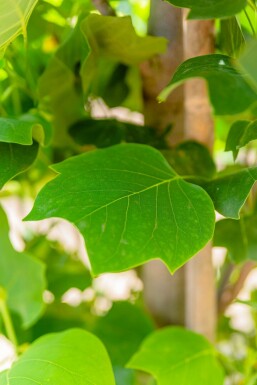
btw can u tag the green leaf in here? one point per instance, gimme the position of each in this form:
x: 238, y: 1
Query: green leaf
x: 231, y: 36
x: 130, y: 207
x: 229, y: 90
x: 192, y: 159
x: 241, y: 133
x: 210, y: 9
x: 14, y: 18
x: 122, y: 330
x: 247, y: 63
x: 107, y: 132
x: 175, y: 355
x: 230, y: 191
x: 16, y: 269
x: 238, y: 237
x: 71, y: 357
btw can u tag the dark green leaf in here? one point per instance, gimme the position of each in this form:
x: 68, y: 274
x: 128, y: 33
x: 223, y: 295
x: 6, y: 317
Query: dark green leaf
x: 230, y: 191
x: 16, y: 269
x: 107, y: 132
x: 130, y: 206
x: 241, y: 133
x: 210, y: 9
x: 72, y: 357
x: 14, y: 159
x: 122, y: 330
x: 229, y: 91
x: 177, y: 356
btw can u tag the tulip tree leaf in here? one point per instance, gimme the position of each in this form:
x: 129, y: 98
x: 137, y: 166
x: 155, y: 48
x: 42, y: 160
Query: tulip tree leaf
x: 15, y: 269
x: 238, y: 237
x: 14, y: 18
x: 71, y: 357
x: 130, y: 207
x: 230, y: 191
x: 175, y: 355
x: 14, y: 159
x: 229, y: 91
x: 210, y: 9
x: 241, y: 133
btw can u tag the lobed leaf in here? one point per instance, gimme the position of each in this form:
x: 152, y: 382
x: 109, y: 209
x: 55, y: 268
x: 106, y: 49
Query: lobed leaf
x: 15, y: 269
x: 71, y: 357
x: 175, y: 356
x: 130, y: 207
x: 229, y: 90
x: 210, y: 9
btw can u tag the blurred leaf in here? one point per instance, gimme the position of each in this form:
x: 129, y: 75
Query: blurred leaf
x: 52, y: 363
x: 122, y: 330
x: 247, y: 63
x: 14, y: 159
x: 107, y: 132
x: 252, y: 304
x: 241, y: 133
x: 210, y: 9
x: 178, y: 355
x: 229, y: 191
x: 231, y: 36
x: 238, y: 237
x: 22, y: 277
x: 192, y: 159
x: 229, y: 91
x: 140, y: 203
x: 14, y: 19
x: 124, y: 376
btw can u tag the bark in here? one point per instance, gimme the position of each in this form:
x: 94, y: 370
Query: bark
x: 164, y: 294
x: 200, y: 280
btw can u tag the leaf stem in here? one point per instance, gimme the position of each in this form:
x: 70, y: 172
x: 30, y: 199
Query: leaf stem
x: 4, y: 312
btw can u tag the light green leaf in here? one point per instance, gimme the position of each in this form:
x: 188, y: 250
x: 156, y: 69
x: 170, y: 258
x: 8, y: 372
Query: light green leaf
x: 231, y: 36
x: 130, y: 207
x: 14, y: 159
x: 16, y: 269
x: 247, y: 63
x: 241, y: 133
x: 14, y: 18
x: 178, y: 356
x: 71, y: 357
x: 229, y: 91
x: 230, y: 191
x: 122, y: 330
x: 210, y: 9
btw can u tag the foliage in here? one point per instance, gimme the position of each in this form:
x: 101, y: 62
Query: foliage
x: 134, y: 197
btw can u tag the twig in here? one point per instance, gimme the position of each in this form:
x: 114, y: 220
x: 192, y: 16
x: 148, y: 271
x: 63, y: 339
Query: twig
x: 104, y: 7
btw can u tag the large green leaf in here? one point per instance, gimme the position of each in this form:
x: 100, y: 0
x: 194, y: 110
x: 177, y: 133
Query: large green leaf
x: 178, y: 356
x: 130, y: 207
x: 22, y: 277
x: 71, y: 357
x: 14, y: 18
x: 210, y: 9
x: 230, y: 190
x: 14, y: 159
x: 239, y: 237
x: 241, y: 133
x: 122, y: 330
x: 229, y: 91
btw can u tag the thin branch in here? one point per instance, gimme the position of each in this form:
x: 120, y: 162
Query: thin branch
x: 230, y: 292
x: 104, y: 7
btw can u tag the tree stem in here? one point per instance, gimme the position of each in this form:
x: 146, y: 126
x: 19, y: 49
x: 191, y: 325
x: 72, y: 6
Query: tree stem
x: 4, y: 312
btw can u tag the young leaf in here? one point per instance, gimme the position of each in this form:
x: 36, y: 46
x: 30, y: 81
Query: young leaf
x: 229, y: 91
x: 241, y: 133
x: 14, y: 159
x: 210, y: 9
x: 71, y: 357
x: 177, y: 356
x: 16, y: 269
x: 130, y: 207
x: 14, y: 18
x: 230, y: 191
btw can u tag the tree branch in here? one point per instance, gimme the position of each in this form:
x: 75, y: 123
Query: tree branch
x: 104, y: 7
